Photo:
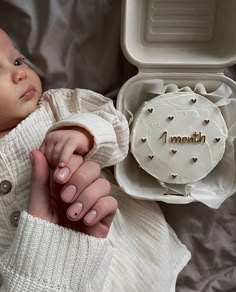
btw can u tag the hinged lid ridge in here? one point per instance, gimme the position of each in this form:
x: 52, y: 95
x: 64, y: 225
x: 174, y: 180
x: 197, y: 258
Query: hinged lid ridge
x: 179, y: 34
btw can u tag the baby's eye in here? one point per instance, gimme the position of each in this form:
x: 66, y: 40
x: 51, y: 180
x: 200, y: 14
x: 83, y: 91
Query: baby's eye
x: 19, y: 61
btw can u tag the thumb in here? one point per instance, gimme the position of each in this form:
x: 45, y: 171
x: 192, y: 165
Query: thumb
x: 39, y: 199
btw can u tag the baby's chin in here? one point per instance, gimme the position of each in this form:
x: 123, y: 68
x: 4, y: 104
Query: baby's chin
x: 22, y: 117
x: 28, y: 109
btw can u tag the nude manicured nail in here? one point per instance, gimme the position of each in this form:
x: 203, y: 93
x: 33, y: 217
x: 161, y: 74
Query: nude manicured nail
x: 63, y: 173
x: 90, y: 216
x: 75, y: 210
x: 69, y: 193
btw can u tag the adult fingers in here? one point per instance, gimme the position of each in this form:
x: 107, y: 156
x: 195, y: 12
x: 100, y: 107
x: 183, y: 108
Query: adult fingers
x: 88, y: 198
x: 97, y: 222
x: 39, y: 199
x: 85, y: 175
x: 63, y: 174
x: 104, y: 210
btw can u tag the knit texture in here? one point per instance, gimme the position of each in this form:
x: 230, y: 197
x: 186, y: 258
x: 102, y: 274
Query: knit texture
x: 47, y: 257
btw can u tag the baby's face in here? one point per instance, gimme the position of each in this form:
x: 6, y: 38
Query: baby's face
x: 20, y: 87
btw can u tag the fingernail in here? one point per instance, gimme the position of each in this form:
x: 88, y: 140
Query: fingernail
x: 75, y: 210
x: 63, y: 173
x: 90, y: 216
x: 69, y: 193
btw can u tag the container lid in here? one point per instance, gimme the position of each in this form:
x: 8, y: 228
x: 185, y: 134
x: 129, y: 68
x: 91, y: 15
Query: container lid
x: 179, y: 34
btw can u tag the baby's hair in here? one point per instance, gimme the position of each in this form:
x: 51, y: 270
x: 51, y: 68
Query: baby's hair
x: 10, y: 36
x: 6, y: 31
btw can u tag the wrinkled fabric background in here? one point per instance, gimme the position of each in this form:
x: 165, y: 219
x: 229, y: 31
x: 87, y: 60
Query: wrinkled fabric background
x: 77, y: 44
x: 71, y: 43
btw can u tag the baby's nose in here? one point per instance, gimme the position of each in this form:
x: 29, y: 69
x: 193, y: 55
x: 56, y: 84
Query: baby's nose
x: 18, y: 75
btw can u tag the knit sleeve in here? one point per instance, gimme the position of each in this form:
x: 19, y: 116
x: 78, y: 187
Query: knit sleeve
x: 97, y: 115
x: 47, y: 257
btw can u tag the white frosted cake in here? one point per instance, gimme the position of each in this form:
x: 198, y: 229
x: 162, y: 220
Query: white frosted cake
x: 178, y: 137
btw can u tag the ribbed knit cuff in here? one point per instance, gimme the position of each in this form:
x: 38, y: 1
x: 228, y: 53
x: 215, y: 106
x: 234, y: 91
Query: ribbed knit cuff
x: 45, y: 256
x: 101, y: 130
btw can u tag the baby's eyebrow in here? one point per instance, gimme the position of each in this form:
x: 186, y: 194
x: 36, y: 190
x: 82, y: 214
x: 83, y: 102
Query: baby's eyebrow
x: 16, y: 53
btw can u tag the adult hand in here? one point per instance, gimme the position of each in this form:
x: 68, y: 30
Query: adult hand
x: 91, y: 210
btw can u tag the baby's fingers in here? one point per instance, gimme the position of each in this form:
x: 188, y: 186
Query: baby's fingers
x: 42, y: 148
x: 67, y: 151
x: 52, y: 152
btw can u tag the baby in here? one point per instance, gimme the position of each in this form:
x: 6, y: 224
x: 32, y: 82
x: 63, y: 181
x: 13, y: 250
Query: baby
x: 71, y: 128
x: 78, y: 132
x: 89, y: 132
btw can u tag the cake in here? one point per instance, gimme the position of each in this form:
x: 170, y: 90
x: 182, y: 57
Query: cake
x: 178, y: 137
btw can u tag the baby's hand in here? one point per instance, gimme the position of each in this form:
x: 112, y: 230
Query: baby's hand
x: 58, y: 146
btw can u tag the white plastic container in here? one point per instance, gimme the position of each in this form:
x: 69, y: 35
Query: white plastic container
x: 179, y: 41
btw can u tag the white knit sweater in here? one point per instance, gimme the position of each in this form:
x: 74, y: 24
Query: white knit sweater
x: 41, y: 256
